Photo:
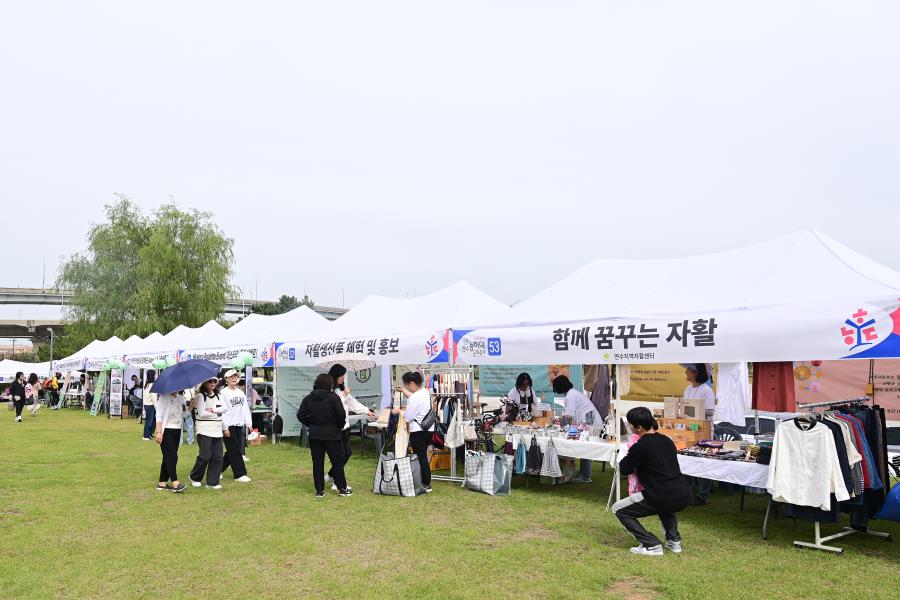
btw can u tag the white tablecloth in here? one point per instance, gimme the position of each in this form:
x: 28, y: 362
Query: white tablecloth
x: 602, y: 451
x: 730, y: 471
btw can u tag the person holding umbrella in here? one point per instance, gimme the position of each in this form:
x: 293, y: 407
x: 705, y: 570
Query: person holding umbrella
x: 169, y: 416
x: 351, y: 406
x: 211, y: 429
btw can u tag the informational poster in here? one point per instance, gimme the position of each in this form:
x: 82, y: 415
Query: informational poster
x: 652, y: 383
x: 295, y: 383
x: 826, y: 380
x: 497, y: 380
x: 100, y: 394
x: 115, y: 393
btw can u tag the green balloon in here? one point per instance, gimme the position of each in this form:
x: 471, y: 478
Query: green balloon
x: 170, y: 362
x: 159, y: 364
x: 248, y: 360
x: 236, y: 363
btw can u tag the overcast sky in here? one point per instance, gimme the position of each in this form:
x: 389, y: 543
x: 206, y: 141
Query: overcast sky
x: 386, y: 147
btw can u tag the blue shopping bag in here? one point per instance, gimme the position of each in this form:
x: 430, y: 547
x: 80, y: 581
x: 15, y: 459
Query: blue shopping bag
x: 891, y: 508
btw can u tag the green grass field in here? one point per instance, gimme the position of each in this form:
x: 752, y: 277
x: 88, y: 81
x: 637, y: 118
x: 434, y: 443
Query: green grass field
x: 80, y: 518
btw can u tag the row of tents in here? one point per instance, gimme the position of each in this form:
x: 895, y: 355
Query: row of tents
x: 798, y: 297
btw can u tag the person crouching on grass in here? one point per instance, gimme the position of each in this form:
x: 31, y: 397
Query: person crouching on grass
x: 237, y: 420
x: 210, y: 430
x: 169, y: 417
x: 655, y: 459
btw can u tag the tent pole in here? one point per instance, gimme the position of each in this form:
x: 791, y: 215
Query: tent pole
x: 274, y: 399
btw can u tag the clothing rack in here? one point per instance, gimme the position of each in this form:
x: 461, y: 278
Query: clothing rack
x: 860, y: 400
x: 464, y: 406
x: 819, y: 543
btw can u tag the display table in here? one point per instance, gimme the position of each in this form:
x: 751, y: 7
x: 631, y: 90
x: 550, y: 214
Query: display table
x: 602, y: 451
x: 730, y: 471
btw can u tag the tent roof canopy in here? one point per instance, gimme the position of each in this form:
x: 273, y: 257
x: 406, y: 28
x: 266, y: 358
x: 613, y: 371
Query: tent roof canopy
x: 460, y: 302
x: 800, y: 268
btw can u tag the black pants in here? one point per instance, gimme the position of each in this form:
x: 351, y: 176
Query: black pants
x: 420, y: 440
x: 335, y: 451
x: 634, y: 507
x: 234, y: 455
x: 19, y: 404
x: 348, y: 451
x: 209, y: 461
x: 169, y: 447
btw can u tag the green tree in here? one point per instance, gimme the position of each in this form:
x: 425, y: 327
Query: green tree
x: 142, y: 274
x: 284, y: 304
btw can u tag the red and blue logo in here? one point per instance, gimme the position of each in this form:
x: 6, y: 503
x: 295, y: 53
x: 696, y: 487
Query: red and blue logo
x: 867, y: 333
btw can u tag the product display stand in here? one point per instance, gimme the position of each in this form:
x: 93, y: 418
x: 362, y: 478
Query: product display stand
x: 819, y: 542
x: 465, y: 408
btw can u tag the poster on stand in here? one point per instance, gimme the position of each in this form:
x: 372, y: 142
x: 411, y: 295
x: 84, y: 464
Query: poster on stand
x: 115, y: 393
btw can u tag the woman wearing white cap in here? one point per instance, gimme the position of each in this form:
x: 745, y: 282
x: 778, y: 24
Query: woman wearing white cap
x: 236, y: 421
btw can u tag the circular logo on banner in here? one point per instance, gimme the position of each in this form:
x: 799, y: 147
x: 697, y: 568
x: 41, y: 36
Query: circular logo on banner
x: 364, y: 375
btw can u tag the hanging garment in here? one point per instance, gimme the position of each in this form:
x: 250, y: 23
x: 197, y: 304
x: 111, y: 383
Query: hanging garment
x: 600, y: 392
x: 550, y: 464
x: 454, y: 437
x: 804, y: 469
x: 521, y: 458
x: 401, y: 441
x: 733, y: 393
x: 535, y: 458
x: 773, y: 387
x: 623, y: 380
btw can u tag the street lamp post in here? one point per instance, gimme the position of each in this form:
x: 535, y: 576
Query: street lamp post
x: 50, y: 329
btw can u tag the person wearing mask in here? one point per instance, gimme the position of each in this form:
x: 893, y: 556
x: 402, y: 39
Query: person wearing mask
x: 169, y: 415
x: 419, y: 403
x: 237, y: 419
x: 351, y: 406
x: 523, y: 393
x: 32, y: 389
x: 149, y: 406
x: 323, y: 413
x: 17, y: 393
x: 697, y: 376
x: 581, y: 410
x: 210, y: 431
x: 655, y: 460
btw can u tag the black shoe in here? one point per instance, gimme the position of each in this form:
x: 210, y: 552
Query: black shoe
x: 345, y: 492
x: 160, y: 488
x: 428, y: 489
x: 320, y: 495
x: 179, y: 488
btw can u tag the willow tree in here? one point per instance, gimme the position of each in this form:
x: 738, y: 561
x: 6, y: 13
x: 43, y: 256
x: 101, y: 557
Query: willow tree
x: 141, y: 274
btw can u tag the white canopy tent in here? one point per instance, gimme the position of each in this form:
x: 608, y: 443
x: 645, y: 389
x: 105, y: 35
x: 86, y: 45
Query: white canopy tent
x: 79, y: 361
x: 797, y: 297
x: 259, y: 335
x: 9, y: 368
x: 396, y: 330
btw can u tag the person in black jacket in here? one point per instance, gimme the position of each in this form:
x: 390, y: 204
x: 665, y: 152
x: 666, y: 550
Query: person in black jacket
x: 323, y: 413
x: 655, y: 460
x: 17, y: 393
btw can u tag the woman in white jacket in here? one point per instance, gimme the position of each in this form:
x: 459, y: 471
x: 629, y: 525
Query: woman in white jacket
x: 169, y: 419
x: 351, y: 406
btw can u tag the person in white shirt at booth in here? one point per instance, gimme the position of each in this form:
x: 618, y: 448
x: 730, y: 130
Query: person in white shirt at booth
x: 698, y: 387
x: 580, y: 408
x: 352, y: 407
x: 416, y: 410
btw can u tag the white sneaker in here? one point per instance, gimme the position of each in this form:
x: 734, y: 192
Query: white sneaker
x: 244, y: 479
x: 335, y: 487
x: 328, y: 478
x: 644, y: 551
x: 146, y: 439
x: 18, y: 419
x: 219, y: 487
x: 246, y: 459
x: 674, y: 547
x: 196, y: 483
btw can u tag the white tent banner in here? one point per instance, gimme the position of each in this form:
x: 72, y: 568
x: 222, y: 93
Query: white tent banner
x: 146, y: 360
x: 384, y: 350
x: 76, y: 363
x: 823, y: 331
x: 263, y: 354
